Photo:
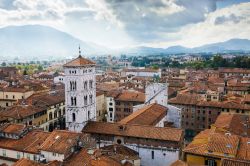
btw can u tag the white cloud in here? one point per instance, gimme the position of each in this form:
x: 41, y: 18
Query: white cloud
x: 103, y: 12
x: 236, y: 24
x: 148, y: 20
x: 169, y: 7
x: 159, y: 23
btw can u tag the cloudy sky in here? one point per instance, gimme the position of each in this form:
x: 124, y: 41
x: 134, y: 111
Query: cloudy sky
x: 122, y: 23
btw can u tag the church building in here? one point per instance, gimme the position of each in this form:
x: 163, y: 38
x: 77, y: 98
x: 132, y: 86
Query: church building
x: 80, y: 92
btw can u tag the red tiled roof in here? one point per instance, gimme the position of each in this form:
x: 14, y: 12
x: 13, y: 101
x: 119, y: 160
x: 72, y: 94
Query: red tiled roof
x: 84, y: 158
x: 12, y: 128
x: 29, y: 143
x: 148, y: 115
x: 216, y: 144
x: 131, y: 96
x: 78, y: 62
x: 27, y: 162
x: 233, y: 162
x: 139, y: 131
x: 60, y: 141
x: 235, y: 123
x: 20, y: 111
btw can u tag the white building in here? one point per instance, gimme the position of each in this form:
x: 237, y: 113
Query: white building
x: 59, y: 79
x: 80, y: 93
x: 141, y: 72
x: 19, y: 141
x: 157, y: 146
x: 110, y: 104
x: 158, y: 93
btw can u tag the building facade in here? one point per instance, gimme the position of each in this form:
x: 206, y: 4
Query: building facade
x: 156, y: 145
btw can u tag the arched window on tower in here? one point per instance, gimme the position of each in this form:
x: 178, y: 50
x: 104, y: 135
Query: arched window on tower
x: 85, y: 100
x: 90, y: 84
x: 74, y: 85
x: 72, y: 101
x: 90, y: 99
x: 73, y: 117
x: 85, y: 85
x: 70, y: 85
x: 75, y: 101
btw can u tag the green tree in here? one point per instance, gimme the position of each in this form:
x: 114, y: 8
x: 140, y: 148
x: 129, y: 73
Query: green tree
x: 4, y: 64
x: 40, y: 68
x: 25, y: 72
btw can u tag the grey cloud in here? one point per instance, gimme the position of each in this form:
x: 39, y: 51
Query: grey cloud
x: 231, y: 18
x: 154, y: 24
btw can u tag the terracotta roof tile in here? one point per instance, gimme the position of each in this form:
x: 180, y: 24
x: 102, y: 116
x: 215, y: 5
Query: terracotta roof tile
x: 217, y: 144
x: 61, y: 141
x: 233, y: 162
x: 179, y: 163
x: 139, y: 131
x: 78, y: 62
x: 131, y: 96
x: 27, y: 162
x: 12, y: 128
x: 234, y: 123
x: 29, y: 143
x: 148, y: 115
x: 20, y: 111
x: 84, y: 158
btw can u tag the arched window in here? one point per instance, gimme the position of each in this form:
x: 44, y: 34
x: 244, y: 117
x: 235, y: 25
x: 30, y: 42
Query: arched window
x: 73, y: 117
x: 90, y: 99
x: 88, y: 115
x: 85, y: 85
x: 55, y: 114
x: 50, y: 116
x: 85, y: 100
x: 75, y: 101
x: 72, y: 101
x: 70, y: 85
x: 90, y: 84
x: 74, y: 85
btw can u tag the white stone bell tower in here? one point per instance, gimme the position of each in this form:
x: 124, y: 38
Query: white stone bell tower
x: 80, y: 93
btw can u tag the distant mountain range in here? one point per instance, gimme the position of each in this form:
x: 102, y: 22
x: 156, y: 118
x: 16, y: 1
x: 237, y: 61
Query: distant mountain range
x: 42, y: 42
x: 36, y: 41
x: 227, y: 46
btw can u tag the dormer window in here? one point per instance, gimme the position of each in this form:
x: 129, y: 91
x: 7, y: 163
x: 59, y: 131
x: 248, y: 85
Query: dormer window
x: 210, y: 151
x: 229, y: 146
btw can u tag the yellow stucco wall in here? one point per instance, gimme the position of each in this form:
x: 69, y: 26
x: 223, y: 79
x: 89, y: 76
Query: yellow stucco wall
x: 198, y: 160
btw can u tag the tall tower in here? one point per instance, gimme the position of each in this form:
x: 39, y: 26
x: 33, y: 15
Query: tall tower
x: 80, y: 93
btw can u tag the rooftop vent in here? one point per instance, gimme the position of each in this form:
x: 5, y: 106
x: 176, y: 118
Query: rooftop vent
x: 229, y: 146
x: 122, y: 127
x: 91, y: 151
